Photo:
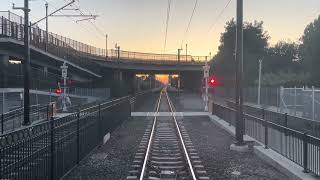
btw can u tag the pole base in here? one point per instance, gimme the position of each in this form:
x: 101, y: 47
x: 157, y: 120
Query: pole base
x: 26, y: 124
x: 240, y: 148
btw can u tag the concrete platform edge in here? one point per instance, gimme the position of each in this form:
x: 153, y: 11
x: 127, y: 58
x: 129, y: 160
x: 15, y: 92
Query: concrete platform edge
x: 284, y: 165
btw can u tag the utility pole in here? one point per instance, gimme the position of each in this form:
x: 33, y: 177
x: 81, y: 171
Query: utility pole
x: 186, y: 52
x: 259, y: 83
x: 26, y: 63
x: 47, y: 30
x: 106, y: 46
x: 179, y: 73
x: 239, y: 72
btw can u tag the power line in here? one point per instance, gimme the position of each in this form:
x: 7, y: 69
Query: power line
x: 101, y: 32
x: 72, y: 19
x: 188, y: 27
x: 167, y: 24
x: 219, y: 15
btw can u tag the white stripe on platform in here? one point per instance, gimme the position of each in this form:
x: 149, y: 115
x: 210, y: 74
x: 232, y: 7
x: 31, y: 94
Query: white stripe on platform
x: 151, y: 114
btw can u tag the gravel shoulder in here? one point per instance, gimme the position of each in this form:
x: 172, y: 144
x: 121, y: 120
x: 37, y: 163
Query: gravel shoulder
x: 112, y: 160
x: 213, y: 146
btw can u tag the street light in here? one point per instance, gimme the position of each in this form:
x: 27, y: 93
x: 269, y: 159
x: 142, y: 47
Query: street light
x: 259, y: 83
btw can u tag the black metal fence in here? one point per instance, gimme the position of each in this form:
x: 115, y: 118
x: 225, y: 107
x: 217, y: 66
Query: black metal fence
x: 297, y: 123
x: 299, y: 147
x: 13, y: 119
x: 50, y: 149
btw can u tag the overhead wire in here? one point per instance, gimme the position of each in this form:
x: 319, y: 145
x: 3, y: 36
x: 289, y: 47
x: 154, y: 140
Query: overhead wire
x: 189, y: 23
x: 90, y: 21
x: 72, y: 19
x: 167, y: 25
x: 219, y: 16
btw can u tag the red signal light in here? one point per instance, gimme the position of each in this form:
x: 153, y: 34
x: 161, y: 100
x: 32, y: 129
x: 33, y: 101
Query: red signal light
x: 58, y: 91
x: 212, y: 81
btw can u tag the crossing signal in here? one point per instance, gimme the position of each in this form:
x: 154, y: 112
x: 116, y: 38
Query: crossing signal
x: 58, y: 91
x: 212, y: 81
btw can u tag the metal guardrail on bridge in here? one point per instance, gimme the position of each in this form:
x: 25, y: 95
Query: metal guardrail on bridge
x: 48, y: 150
x: 63, y: 47
x: 299, y: 147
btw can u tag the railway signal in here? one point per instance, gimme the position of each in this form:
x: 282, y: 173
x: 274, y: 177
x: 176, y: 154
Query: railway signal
x: 212, y: 81
x: 58, y: 91
x: 206, y: 69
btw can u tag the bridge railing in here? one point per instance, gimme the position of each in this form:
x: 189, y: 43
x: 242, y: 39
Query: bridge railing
x: 67, y: 48
x: 300, y: 147
x: 48, y: 150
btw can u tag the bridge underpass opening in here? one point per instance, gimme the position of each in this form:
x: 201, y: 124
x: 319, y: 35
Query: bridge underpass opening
x: 190, y: 81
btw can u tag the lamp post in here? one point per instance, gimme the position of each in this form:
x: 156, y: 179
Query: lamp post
x: 259, y: 83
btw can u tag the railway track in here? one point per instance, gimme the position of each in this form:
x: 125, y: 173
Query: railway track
x: 166, y: 151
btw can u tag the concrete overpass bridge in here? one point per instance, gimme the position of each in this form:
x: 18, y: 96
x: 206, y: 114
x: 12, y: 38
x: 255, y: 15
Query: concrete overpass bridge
x: 88, y: 63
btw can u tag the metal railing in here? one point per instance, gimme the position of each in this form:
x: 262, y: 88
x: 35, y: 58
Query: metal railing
x: 284, y: 119
x: 67, y: 48
x: 13, y: 120
x: 299, y: 147
x: 49, y: 150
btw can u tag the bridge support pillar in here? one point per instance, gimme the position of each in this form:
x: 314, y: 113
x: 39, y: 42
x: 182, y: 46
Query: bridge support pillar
x: 152, y: 80
x: 129, y: 82
x: 191, y: 81
x: 4, y: 63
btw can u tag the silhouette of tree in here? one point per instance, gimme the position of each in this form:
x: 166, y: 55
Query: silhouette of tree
x: 255, y: 45
x: 310, y: 50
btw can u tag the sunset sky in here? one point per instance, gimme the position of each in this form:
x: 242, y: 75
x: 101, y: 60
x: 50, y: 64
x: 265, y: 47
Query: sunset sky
x: 139, y: 25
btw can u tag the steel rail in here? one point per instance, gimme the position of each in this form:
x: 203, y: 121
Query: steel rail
x: 151, y: 137
x: 180, y: 136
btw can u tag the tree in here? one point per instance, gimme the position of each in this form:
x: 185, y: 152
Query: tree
x: 255, y: 44
x: 282, y: 57
x: 310, y: 50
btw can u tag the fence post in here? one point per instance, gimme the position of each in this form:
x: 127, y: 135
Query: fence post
x: 295, y: 101
x: 313, y: 104
x: 266, y: 140
x: 286, y: 119
x: 2, y: 121
x: 52, y: 147
x: 100, y: 121
x: 305, y: 153
x: 48, y: 112
x: 2, y: 25
x: 78, y: 136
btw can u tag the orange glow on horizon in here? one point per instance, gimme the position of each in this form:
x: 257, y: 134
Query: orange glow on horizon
x: 164, y: 78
